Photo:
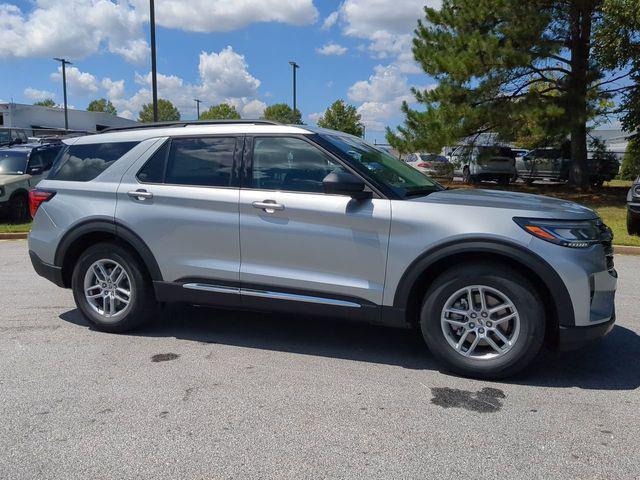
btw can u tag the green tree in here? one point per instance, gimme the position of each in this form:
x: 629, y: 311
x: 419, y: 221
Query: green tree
x: 342, y: 117
x: 47, y: 102
x: 102, y: 105
x: 220, y: 112
x: 630, y: 169
x: 166, y: 112
x: 282, y: 113
x: 535, y: 68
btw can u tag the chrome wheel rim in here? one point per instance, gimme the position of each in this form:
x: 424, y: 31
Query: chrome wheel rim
x: 480, y: 322
x: 107, y: 289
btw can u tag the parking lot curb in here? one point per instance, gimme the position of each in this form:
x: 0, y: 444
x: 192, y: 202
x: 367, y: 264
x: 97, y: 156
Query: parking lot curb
x: 13, y: 236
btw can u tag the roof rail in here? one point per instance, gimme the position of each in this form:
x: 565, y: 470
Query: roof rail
x: 186, y: 123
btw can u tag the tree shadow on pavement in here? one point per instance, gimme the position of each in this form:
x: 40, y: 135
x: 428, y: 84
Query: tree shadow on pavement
x: 610, y: 364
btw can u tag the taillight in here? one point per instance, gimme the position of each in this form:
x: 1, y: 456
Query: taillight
x: 38, y: 196
x: 425, y: 164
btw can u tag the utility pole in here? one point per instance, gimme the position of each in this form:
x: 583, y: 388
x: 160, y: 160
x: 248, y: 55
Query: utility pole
x: 294, y: 67
x: 64, y: 89
x: 198, y: 102
x: 154, y: 79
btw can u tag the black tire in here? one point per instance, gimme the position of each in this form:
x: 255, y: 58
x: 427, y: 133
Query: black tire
x: 597, y: 183
x: 19, y: 209
x: 633, y: 223
x: 521, y: 293
x: 142, y: 305
x: 504, y: 181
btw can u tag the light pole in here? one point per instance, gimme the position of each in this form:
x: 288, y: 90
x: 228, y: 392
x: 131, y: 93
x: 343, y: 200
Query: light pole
x: 154, y: 79
x: 294, y: 67
x: 198, y: 102
x: 64, y: 89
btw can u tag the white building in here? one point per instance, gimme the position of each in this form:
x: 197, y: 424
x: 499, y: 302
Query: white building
x: 48, y: 120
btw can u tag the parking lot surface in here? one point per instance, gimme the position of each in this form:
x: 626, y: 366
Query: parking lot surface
x: 204, y: 393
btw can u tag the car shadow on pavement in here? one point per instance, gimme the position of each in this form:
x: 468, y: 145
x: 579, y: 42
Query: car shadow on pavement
x: 611, y: 364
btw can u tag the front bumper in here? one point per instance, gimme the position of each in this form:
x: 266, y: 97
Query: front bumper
x: 570, y: 338
x: 50, y: 272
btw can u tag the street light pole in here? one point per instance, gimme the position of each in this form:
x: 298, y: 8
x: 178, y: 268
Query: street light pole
x: 154, y: 79
x: 198, y: 102
x: 294, y: 67
x: 64, y: 89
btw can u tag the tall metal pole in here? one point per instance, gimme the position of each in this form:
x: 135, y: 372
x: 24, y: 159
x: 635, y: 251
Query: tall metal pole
x: 294, y: 66
x: 64, y: 89
x: 198, y: 102
x: 154, y: 79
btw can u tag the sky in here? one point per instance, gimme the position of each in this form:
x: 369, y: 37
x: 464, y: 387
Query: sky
x: 234, y: 51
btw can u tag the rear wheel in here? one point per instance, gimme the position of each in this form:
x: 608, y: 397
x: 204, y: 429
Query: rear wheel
x: 483, y: 321
x: 504, y: 180
x: 633, y: 223
x: 19, y: 209
x: 112, y: 289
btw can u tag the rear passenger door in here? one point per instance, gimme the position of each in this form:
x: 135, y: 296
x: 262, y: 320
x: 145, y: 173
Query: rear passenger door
x: 182, y: 200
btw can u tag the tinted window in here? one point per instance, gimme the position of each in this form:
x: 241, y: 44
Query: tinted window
x: 13, y: 162
x: 289, y: 164
x: 153, y: 170
x: 201, y: 161
x: 44, y: 157
x: 82, y: 163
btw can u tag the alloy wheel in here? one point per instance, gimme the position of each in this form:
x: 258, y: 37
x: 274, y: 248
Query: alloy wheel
x: 108, y: 289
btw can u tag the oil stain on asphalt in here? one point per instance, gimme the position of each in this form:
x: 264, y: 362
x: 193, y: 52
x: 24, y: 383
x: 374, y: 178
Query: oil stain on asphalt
x: 164, y: 357
x: 487, y: 400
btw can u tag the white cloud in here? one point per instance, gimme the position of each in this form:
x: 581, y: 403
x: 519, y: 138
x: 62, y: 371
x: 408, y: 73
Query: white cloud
x: 223, y: 77
x: 314, y: 117
x: 381, y: 96
x: 331, y: 20
x: 71, y: 28
x: 78, y: 28
x: 77, y: 82
x: 332, y: 49
x: 38, y: 95
x: 227, y: 15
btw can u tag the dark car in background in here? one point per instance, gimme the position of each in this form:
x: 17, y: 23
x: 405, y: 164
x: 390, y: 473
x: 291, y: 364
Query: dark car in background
x: 21, y: 168
x: 554, y: 164
x: 12, y: 136
x: 633, y: 208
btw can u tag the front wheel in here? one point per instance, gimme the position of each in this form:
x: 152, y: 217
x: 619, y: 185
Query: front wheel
x: 111, y: 288
x: 633, y: 223
x: 19, y: 209
x: 483, y: 321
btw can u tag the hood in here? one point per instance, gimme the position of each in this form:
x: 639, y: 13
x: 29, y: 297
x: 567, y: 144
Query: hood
x: 538, y: 205
x: 8, y: 179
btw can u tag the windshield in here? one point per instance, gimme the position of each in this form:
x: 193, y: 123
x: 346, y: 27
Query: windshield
x: 403, y: 179
x: 13, y: 162
x: 5, y: 136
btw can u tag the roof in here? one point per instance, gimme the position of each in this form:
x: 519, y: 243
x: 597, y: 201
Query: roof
x: 186, y: 130
x: 27, y: 146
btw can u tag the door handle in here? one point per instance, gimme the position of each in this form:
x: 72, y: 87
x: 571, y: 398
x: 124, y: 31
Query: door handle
x: 269, y: 206
x: 140, y: 194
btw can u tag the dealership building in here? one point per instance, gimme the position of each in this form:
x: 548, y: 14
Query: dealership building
x: 40, y: 121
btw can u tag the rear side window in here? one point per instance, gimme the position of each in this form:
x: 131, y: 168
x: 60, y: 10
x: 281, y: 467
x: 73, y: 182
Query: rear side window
x: 81, y: 163
x: 204, y: 161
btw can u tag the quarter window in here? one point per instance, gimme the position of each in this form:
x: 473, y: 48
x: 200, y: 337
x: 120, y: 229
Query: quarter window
x: 290, y: 164
x: 153, y: 170
x: 201, y: 161
x: 81, y: 163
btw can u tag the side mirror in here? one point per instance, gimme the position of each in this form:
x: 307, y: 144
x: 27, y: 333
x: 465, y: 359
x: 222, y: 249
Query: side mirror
x: 34, y: 170
x: 344, y: 183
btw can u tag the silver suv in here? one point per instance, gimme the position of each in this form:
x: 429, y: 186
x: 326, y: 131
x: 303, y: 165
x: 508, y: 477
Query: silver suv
x: 256, y: 215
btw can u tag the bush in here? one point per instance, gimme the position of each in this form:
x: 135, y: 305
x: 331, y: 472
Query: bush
x: 631, y: 161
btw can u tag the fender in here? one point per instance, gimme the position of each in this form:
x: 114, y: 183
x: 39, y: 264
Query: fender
x: 109, y: 226
x: 513, y: 252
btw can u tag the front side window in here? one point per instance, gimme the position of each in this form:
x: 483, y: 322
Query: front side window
x: 289, y: 164
x: 81, y: 163
x: 403, y: 179
x: 204, y: 161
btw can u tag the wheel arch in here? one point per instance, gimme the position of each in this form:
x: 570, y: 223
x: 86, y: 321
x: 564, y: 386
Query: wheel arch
x: 88, y: 233
x: 421, y: 274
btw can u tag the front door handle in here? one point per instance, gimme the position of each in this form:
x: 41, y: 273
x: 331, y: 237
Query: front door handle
x: 269, y: 206
x: 140, y: 194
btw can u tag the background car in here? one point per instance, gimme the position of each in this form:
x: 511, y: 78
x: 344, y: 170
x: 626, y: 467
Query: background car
x: 485, y: 162
x: 21, y: 168
x: 554, y: 164
x: 633, y: 208
x: 12, y: 136
x: 431, y: 164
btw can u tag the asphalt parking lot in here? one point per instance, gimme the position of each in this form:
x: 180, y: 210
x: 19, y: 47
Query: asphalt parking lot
x: 212, y: 394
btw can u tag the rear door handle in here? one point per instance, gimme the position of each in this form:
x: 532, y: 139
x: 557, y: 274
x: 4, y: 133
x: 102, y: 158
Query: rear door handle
x: 269, y: 206
x: 140, y: 194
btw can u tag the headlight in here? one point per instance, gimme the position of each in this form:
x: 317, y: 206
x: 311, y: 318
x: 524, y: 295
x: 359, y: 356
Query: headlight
x: 573, y: 234
x: 636, y: 190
